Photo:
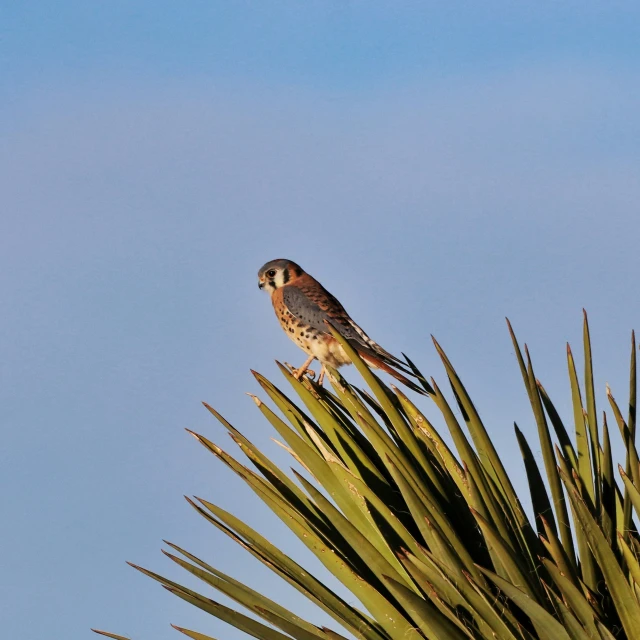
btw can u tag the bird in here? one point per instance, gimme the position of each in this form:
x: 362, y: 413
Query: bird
x: 305, y: 309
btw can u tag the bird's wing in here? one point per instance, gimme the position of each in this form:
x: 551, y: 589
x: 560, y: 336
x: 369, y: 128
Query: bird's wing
x: 314, y: 305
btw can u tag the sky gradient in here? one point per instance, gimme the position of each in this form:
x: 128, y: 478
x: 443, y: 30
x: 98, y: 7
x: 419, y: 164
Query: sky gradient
x: 436, y: 168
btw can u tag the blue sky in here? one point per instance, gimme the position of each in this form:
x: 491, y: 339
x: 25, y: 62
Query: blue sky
x: 437, y: 167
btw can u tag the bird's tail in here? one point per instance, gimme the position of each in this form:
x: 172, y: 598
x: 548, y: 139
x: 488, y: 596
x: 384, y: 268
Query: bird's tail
x: 380, y: 364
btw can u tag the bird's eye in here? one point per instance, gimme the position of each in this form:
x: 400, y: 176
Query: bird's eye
x: 271, y: 273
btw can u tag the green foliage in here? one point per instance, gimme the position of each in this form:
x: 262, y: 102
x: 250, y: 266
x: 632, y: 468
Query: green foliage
x: 436, y: 543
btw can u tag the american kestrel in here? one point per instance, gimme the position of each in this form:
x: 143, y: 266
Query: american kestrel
x: 303, y: 306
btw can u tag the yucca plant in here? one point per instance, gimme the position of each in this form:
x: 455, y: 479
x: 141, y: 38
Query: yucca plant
x: 435, y: 543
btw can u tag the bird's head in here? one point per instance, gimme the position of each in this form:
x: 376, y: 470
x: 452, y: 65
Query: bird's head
x: 277, y: 273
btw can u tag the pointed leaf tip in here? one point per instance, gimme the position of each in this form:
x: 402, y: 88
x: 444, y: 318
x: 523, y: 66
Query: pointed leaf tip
x: 194, y: 434
x: 181, y: 629
x: 255, y: 398
x: 108, y: 635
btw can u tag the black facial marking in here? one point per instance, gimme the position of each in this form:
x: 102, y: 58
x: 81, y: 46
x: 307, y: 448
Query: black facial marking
x: 298, y: 271
x: 285, y: 276
x: 272, y: 284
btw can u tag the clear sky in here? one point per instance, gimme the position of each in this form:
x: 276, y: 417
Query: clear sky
x: 438, y: 166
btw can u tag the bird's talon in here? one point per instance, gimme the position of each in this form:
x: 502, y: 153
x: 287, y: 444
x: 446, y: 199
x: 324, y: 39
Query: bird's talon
x: 298, y: 373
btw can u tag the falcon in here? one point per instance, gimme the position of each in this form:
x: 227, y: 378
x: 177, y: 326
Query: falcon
x: 304, y: 309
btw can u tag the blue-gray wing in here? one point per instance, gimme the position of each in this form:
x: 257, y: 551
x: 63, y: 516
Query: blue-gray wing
x: 312, y: 305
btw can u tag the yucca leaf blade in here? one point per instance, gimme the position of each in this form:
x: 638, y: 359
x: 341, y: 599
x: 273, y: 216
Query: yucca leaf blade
x: 582, y: 438
x: 245, y: 596
x: 234, y: 618
x: 428, y: 618
x: 592, y: 418
x: 547, y: 627
x: 106, y: 634
x: 569, y: 621
x: 539, y: 497
x: 557, y: 553
x: 195, y: 635
x: 573, y: 596
x: 511, y: 561
x: 558, y: 426
x: 608, y: 489
x: 631, y: 490
x: 624, y: 600
x: 359, y: 623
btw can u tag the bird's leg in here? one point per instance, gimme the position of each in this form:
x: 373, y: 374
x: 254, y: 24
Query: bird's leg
x: 321, y: 376
x: 298, y: 373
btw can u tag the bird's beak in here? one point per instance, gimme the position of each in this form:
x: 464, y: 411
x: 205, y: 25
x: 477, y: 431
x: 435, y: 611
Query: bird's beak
x: 260, y: 285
